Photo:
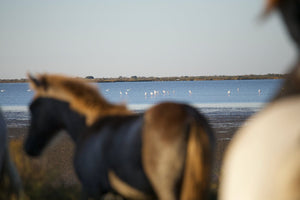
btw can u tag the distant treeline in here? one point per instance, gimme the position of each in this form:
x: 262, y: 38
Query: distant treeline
x: 177, y: 78
x: 190, y: 78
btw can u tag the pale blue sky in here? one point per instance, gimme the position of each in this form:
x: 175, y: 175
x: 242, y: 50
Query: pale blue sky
x: 111, y: 38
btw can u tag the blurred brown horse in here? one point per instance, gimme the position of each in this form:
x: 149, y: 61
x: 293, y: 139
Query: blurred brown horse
x: 164, y: 153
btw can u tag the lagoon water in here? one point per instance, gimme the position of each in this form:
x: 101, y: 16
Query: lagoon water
x: 213, y: 98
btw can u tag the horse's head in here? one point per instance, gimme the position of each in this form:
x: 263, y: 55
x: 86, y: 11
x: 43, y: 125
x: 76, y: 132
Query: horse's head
x: 56, y: 93
x: 44, y: 125
x: 45, y: 122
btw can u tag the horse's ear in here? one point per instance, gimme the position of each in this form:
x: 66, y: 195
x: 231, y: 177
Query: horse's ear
x: 38, y: 82
x: 33, y: 81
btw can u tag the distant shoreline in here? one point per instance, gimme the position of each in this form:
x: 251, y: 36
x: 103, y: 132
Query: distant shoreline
x: 175, y: 78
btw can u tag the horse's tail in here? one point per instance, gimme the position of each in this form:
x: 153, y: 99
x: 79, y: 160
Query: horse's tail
x: 198, y: 163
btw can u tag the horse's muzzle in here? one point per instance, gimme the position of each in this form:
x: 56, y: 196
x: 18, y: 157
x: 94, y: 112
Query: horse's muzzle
x: 30, y: 150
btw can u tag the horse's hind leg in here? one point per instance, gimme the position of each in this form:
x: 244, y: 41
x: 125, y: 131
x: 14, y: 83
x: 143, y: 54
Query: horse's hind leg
x: 163, y: 151
x: 164, y: 169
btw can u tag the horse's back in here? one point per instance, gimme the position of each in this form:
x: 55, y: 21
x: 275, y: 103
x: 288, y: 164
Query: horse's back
x: 173, y: 119
x: 263, y: 160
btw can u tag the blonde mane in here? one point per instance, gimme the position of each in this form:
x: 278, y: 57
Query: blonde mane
x: 82, y: 97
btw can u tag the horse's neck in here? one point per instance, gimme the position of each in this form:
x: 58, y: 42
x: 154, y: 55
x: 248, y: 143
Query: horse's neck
x: 96, y: 107
x: 74, y: 123
x: 103, y: 109
x: 77, y: 120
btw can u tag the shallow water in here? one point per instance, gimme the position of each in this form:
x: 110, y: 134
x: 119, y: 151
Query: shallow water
x: 218, y: 100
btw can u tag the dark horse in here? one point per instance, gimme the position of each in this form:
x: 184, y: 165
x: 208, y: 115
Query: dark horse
x: 164, y: 153
x: 7, y: 168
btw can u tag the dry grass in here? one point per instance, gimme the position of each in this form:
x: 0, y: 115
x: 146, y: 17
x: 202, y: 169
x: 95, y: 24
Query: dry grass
x: 50, y: 176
